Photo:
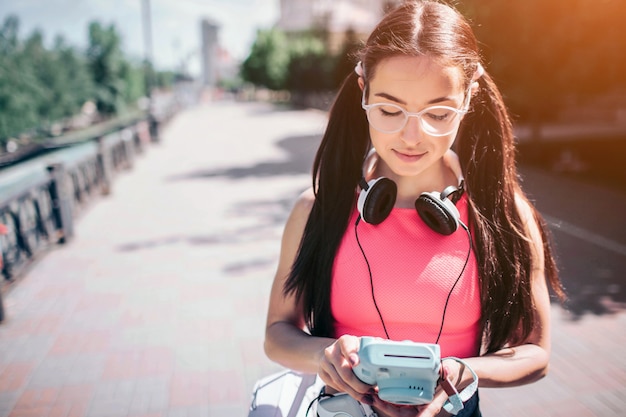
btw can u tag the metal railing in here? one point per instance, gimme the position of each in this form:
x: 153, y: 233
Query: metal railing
x: 40, y: 199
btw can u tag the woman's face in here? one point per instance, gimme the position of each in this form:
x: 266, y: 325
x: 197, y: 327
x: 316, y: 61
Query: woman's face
x: 414, y: 83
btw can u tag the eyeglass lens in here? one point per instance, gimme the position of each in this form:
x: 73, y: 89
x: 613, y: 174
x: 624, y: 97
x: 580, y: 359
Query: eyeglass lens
x: 436, y: 120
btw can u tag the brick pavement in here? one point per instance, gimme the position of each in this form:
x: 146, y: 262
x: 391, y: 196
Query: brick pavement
x: 157, y: 307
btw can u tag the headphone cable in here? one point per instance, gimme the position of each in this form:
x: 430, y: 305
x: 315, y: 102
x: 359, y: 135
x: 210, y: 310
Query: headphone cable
x: 445, y: 308
x: 469, y: 251
x: 356, y: 234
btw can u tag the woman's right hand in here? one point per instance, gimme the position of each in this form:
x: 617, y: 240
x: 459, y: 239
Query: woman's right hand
x: 335, y: 369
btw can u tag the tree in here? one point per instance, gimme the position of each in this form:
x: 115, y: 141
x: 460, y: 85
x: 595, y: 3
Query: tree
x: 41, y: 86
x: 268, y: 60
x: 106, y: 62
x: 310, y: 66
x: 134, y: 81
x: 20, y: 90
x: 345, y: 62
x: 63, y: 80
x: 38, y: 87
x: 544, y: 52
x: 79, y: 85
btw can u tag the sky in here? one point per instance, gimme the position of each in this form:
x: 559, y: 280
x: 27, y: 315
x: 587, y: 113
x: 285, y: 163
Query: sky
x: 175, y: 24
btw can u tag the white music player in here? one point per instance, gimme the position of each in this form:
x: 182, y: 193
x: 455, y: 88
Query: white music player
x: 406, y: 372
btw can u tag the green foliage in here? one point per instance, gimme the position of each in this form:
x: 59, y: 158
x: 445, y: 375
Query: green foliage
x: 165, y: 79
x: 14, y: 85
x: 40, y: 86
x: 75, y: 85
x: 310, y: 66
x: 346, y: 59
x: 268, y: 61
x: 231, y: 84
x: 545, y: 52
x: 299, y: 62
x: 108, y: 67
x: 37, y: 86
x: 133, y: 81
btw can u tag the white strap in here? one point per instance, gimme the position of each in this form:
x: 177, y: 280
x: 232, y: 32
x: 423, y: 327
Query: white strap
x: 454, y: 403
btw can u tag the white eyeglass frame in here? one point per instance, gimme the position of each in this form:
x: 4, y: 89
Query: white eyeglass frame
x: 460, y: 112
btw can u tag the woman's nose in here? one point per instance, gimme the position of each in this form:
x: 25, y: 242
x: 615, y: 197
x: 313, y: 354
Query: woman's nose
x: 412, y: 132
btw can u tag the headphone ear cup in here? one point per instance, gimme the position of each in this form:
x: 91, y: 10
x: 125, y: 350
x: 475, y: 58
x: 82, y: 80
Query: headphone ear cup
x: 375, y: 202
x: 440, y: 215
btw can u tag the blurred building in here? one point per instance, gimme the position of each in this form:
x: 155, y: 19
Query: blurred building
x: 337, y: 17
x: 210, y: 52
x: 217, y: 63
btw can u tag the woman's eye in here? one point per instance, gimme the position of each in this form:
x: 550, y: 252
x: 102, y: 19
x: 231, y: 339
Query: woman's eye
x: 390, y: 111
x: 439, y: 116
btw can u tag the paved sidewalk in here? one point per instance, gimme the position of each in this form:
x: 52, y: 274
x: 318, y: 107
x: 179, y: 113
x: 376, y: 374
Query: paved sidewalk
x: 157, y: 307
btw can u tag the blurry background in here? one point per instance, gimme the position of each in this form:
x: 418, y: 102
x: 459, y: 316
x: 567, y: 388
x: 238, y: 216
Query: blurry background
x: 194, y: 231
x: 176, y: 25
x: 73, y: 71
x: 66, y: 64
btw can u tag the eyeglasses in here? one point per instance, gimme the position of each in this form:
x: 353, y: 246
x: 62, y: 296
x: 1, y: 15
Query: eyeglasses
x: 435, y: 120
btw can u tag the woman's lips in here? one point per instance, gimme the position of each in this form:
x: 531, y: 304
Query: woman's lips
x: 407, y: 156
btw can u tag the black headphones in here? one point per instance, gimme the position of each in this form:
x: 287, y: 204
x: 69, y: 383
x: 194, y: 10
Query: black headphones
x: 437, y: 210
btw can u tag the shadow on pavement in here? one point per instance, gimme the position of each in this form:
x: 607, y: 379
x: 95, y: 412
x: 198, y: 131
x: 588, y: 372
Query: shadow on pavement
x: 270, y: 215
x: 172, y: 240
x: 593, y: 279
x: 235, y: 268
x: 301, y: 153
x: 584, y: 213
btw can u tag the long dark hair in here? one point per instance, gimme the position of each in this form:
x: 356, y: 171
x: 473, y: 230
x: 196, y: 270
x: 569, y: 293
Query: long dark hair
x: 485, y: 145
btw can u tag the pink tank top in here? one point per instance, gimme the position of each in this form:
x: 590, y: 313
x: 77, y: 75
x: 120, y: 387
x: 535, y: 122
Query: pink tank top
x: 413, y: 270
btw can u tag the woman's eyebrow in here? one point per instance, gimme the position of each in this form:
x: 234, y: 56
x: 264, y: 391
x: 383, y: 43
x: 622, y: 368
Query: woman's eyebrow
x: 400, y: 101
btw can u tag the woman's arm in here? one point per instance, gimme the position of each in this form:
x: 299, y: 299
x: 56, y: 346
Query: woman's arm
x: 528, y: 361
x: 286, y: 341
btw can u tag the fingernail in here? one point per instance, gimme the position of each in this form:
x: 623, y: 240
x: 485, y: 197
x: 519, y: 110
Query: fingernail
x: 354, y: 359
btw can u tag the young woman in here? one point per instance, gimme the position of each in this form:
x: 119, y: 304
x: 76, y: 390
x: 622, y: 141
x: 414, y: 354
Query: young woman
x: 404, y: 267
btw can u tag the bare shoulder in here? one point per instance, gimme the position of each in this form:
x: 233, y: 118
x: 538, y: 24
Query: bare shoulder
x: 298, y: 218
x: 304, y: 203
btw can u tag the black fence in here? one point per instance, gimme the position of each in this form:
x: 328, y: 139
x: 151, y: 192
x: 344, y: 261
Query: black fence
x: 41, y: 198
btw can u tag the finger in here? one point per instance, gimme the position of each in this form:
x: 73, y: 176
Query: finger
x: 349, y: 346
x: 328, y: 379
x: 435, y: 406
x: 336, y: 372
x: 343, y: 355
x: 340, y: 386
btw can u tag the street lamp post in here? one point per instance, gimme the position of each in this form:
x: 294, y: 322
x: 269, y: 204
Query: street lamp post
x: 149, y: 68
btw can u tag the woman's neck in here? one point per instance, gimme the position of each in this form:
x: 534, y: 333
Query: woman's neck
x: 436, y: 178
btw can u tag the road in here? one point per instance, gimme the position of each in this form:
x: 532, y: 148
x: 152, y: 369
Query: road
x: 157, y: 306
